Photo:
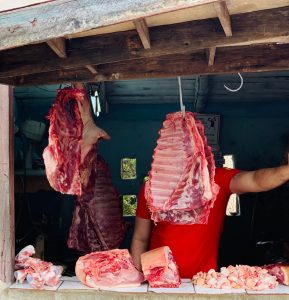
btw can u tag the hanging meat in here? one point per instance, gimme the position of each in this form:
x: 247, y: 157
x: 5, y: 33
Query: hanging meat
x: 160, y: 268
x: 112, y: 268
x: 73, y: 166
x: 72, y: 133
x: 97, y: 219
x: 181, y: 187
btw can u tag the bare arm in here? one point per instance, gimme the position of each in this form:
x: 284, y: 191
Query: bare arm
x: 140, y: 239
x: 259, y: 180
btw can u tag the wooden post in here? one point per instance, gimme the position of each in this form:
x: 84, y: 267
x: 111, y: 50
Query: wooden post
x: 7, y: 232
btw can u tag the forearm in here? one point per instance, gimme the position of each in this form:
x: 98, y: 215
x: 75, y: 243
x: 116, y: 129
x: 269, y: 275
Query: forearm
x: 137, y: 248
x: 270, y: 178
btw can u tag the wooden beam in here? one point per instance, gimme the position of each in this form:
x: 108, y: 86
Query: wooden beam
x: 58, y: 46
x: 7, y: 230
x: 92, y: 69
x: 143, y: 32
x: 242, y: 59
x: 211, y: 52
x: 224, y: 16
x: 171, y: 39
x: 48, y: 20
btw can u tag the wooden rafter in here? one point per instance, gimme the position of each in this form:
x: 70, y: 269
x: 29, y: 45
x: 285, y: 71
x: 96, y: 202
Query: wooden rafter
x: 21, y: 27
x: 143, y: 32
x: 224, y: 16
x: 269, y: 26
x: 258, y: 58
x: 211, y: 52
x: 58, y: 46
x: 92, y: 69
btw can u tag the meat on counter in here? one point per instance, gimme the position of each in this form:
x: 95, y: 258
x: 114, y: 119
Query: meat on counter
x: 160, y: 269
x: 36, y: 271
x: 112, y: 268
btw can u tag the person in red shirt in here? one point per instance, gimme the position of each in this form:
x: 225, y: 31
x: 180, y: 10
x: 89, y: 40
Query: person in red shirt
x: 195, y: 247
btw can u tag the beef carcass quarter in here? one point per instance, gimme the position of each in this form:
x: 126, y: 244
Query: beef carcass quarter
x: 112, y: 268
x: 181, y: 187
x: 160, y: 269
x: 73, y: 166
x: 280, y: 270
x: 72, y: 133
x: 97, y: 219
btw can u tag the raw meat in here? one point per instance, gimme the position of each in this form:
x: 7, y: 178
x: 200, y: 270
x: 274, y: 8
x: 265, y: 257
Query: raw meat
x: 280, y: 270
x: 112, y: 268
x: 97, y: 219
x: 160, y: 269
x: 36, y: 271
x: 71, y: 135
x: 241, y: 276
x: 181, y: 187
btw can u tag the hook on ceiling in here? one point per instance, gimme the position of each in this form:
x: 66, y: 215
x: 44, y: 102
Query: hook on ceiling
x: 235, y: 90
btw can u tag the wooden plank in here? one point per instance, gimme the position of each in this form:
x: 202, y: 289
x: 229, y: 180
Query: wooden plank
x: 143, y: 32
x: 170, y: 39
x: 224, y: 16
x: 92, y: 69
x: 47, y: 21
x: 58, y: 46
x: 6, y: 5
x: 7, y: 231
x: 255, y: 59
x: 211, y: 52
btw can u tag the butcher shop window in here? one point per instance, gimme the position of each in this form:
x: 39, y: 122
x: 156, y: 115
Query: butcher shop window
x: 233, y: 207
x: 129, y: 205
x: 128, y: 168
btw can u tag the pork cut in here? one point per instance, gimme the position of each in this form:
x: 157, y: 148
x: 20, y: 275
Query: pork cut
x: 36, y: 271
x: 112, y: 268
x: 280, y: 271
x: 181, y: 187
x: 97, y: 219
x: 240, y: 276
x: 72, y: 133
x: 160, y: 269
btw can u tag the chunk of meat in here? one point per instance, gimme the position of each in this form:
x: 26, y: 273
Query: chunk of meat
x: 36, y: 271
x: 240, y: 276
x: 112, y: 268
x: 280, y: 271
x: 181, y: 187
x: 160, y: 269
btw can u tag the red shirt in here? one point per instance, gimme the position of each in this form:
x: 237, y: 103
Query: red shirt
x: 195, y: 247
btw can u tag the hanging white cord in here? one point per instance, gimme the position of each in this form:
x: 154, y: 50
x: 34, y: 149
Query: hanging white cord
x: 238, y: 89
x: 183, y: 108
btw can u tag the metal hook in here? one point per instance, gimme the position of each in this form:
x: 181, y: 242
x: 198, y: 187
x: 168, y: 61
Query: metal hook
x: 183, y: 109
x: 236, y: 90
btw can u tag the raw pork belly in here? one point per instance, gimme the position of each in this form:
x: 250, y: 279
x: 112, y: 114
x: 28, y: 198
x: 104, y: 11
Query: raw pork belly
x: 71, y: 134
x: 36, y: 271
x: 159, y: 268
x: 181, y: 187
x: 280, y: 270
x: 97, y: 219
x: 241, y: 276
x: 112, y: 268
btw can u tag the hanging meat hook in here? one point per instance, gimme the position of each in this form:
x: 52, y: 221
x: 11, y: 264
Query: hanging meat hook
x: 235, y: 90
